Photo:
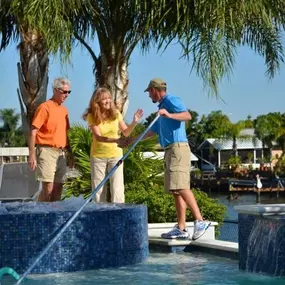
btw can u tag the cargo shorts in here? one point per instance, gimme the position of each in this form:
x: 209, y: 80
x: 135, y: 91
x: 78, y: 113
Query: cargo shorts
x: 177, y: 164
x: 51, y: 164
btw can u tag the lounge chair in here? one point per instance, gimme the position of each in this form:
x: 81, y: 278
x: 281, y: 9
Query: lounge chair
x: 17, y: 182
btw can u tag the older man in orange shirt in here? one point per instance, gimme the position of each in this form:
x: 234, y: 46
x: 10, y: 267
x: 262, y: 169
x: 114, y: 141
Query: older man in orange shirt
x: 49, y: 141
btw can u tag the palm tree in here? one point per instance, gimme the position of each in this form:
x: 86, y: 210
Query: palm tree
x: 270, y: 129
x: 10, y: 120
x: 33, y: 65
x: 34, y: 48
x: 280, y: 139
x: 264, y: 130
x: 234, y: 133
x: 209, y: 33
x: 215, y: 125
x: 194, y: 131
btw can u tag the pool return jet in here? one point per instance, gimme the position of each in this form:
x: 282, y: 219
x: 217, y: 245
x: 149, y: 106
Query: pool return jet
x: 7, y: 270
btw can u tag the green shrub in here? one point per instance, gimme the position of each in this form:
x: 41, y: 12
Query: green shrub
x: 161, y: 207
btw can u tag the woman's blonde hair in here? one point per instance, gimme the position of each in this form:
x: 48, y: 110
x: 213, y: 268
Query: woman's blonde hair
x: 99, y: 115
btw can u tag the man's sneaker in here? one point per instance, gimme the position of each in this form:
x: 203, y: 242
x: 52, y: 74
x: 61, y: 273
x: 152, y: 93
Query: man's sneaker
x: 200, y: 228
x: 176, y: 233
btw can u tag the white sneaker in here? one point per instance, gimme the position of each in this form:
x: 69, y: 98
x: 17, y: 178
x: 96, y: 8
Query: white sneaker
x: 200, y: 228
x: 176, y: 233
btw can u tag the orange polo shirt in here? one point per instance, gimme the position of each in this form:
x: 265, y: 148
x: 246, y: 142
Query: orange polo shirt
x: 52, y: 121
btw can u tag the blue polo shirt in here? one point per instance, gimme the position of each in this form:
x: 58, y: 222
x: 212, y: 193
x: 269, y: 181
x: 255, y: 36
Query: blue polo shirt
x: 169, y: 130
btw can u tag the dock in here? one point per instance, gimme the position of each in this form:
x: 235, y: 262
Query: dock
x: 209, y: 182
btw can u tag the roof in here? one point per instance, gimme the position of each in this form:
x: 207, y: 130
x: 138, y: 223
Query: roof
x: 227, y: 144
x: 160, y: 155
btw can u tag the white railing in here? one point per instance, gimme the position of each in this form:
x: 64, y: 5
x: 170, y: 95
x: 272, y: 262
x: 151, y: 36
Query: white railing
x: 14, y: 154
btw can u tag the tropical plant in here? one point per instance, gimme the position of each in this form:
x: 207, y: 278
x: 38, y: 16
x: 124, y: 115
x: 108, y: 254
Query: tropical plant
x: 280, y: 166
x: 234, y: 132
x: 80, y: 139
x: 161, y: 207
x: 149, y: 119
x: 209, y: 33
x: 270, y: 129
x: 280, y: 139
x: 137, y: 167
x: 248, y: 123
x: 215, y: 125
x: 250, y: 158
x: 264, y: 130
x: 10, y: 133
x: 194, y: 131
x: 234, y: 162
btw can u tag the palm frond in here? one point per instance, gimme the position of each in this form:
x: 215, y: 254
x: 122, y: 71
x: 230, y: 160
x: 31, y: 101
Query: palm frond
x: 8, y: 28
x: 208, y: 31
x: 51, y: 18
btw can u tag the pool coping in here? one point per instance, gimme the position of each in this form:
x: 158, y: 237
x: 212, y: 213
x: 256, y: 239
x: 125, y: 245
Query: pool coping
x: 210, y: 246
x: 262, y: 209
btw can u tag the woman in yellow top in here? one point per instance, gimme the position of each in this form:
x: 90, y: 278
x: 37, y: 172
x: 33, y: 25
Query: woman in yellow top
x: 106, y: 123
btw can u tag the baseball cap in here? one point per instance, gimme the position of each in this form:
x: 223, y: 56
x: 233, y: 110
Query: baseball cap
x: 156, y: 83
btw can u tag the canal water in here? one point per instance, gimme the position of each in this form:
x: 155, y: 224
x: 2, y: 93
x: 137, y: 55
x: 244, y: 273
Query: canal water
x: 229, y: 230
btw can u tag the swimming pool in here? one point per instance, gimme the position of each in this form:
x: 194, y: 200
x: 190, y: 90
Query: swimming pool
x: 161, y: 268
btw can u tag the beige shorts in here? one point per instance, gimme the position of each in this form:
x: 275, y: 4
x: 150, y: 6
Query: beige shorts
x: 177, y: 163
x: 51, y: 164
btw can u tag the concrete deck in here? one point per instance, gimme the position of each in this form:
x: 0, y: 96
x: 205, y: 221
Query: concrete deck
x: 207, y: 243
x: 211, y: 246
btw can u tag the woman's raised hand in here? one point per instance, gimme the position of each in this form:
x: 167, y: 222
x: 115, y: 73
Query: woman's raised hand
x: 137, y: 115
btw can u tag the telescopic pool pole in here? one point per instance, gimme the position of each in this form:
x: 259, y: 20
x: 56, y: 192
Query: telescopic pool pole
x: 75, y: 215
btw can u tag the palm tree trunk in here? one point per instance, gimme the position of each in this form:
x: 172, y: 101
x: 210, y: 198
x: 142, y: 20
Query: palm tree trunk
x: 32, y: 75
x: 111, y: 72
x: 235, y: 146
x: 114, y: 76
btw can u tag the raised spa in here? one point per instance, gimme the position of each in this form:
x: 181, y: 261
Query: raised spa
x: 262, y: 238
x: 103, y: 235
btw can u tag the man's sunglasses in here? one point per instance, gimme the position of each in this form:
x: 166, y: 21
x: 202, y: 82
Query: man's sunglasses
x: 64, y: 91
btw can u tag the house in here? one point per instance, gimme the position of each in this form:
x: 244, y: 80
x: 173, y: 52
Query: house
x: 218, y: 151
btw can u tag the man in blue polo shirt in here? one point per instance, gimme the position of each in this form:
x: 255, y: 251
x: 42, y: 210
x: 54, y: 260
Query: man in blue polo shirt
x: 170, y: 128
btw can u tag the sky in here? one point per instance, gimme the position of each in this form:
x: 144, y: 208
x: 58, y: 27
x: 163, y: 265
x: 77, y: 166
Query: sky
x: 248, y: 91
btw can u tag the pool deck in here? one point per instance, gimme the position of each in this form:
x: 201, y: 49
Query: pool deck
x: 215, y: 247
x: 207, y: 243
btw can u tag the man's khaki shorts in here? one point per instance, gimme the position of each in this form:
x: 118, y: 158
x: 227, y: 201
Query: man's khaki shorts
x: 177, y: 163
x: 51, y: 164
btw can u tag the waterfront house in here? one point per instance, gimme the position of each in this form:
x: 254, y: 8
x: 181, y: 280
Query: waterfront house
x: 218, y: 151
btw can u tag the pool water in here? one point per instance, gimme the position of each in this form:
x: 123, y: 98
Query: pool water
x: 160, y: 268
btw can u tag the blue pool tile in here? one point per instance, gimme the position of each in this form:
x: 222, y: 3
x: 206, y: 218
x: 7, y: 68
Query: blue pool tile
x: 98, y: 238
